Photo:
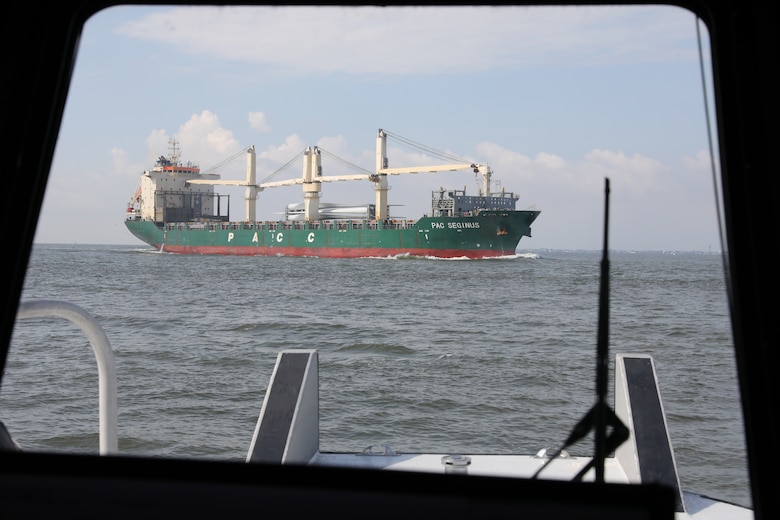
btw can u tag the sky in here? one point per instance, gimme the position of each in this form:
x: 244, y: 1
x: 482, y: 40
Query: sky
x: 555, y: 100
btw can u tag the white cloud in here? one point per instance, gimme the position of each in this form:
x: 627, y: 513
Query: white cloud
x: 123, y: 169
x: 258, y: 121
x: 284, y: 152
x: 550, y: 161
x: 701, y: 161
x: 337, y: 145
x: 201, y: 140
x: 636, y: 172
x: 516, y: 169
x: 204, y: 131
x: 382, y: 40
x: 157, y: 144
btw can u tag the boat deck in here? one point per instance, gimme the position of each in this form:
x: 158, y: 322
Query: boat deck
x: 513, y: 466
x: 287, y: 432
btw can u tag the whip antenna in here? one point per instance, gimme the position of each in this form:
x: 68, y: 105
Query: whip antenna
x: 600, y: 415
x: 602, y: 348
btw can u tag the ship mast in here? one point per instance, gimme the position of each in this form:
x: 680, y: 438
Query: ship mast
x: 175, y: 151
x: 380, y: 184
x: 487, y: 173
x: 312, y: 171
x: 250, y: 207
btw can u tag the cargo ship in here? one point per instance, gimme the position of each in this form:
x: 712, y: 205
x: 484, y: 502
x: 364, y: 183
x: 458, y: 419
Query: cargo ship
x: 175, y: 209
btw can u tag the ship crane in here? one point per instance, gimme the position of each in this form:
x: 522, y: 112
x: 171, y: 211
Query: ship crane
x: 312, y: 179
x: 382, y: 171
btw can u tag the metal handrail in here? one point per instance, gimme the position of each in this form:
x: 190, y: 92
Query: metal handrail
x: 103, y: 354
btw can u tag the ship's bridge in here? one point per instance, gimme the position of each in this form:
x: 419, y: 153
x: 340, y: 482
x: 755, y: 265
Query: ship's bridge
x: 450, y: 203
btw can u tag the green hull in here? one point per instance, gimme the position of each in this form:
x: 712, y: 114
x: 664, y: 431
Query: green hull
x: 488, y: 234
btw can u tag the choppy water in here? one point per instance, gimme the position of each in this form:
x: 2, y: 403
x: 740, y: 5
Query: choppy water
x: 468, y: 356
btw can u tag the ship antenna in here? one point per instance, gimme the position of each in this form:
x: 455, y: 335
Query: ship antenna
x: 175, y: 152
x: 602, y: 348
x: 600, y: 415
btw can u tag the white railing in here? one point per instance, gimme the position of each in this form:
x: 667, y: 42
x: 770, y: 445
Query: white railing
x: 103, y: 354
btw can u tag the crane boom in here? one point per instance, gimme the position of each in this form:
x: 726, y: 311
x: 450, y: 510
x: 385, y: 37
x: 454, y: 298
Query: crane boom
x: 288, y: 182
x: 312, y: 178
x: 427, y: 169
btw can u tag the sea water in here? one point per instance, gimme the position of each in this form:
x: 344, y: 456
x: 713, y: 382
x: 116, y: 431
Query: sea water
x: 425, y: 355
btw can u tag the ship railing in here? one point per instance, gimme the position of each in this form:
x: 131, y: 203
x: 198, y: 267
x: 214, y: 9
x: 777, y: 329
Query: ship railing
x: 103, y: 354
x: 256, y: 225
x: 399, y: 224
x: 296, y: 225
